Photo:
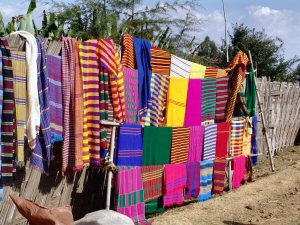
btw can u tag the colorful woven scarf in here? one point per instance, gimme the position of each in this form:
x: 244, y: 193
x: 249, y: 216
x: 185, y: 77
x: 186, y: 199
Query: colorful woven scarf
x: 130, y: 149
x: 208, y: 99
x: 128, y: 54
x: 8, y: 119
x: 247, y: 136
x: 239, y: 171
x: 197, y: 71
x: 153, y: 181
x: 210, y: 139
x: 157, y: 145
x: 222, y: 97
x: 254, y: 143
x: 236, y: 139
x: 160, y: 61
x: 211, y: 72
x: 175, y: 181
x: 131, y: 95
x: 223, y: 140
x: 180, y: 144
x: 219, y: 175
x: 180, y: 67
x: 206, y: 178
x: 42, y: 153
x: 193, y: 115
x: 1, y: 106
x: 131, y: 194
x: 250, y: 93
x: 19, y: 70
x: 193, y: 180
x: 177, y: 97
x: 55, y: 91
x: 196, y: 144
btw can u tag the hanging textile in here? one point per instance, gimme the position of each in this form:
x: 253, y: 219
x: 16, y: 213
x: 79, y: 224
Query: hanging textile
x: 175, y: 182
x: 8, y: 121
x: 157, y: 145
x: 254, y: 143
x: 250, y: 93
x: 247, y: 136
x: 193, y: 180
x: 130, y: 148
x: 241, y: 108
x: 208, y: 99
x: 222, y: 97
x: 180, y: 144
x: 219, y: 175
x: 143, y: 58
x: 55, y: 91
x: 221, y: 73
x: 193, y: 115
x: 223, y: 140
x: 131, y: 95
x: 19, y: 71
x: 155, y: 206
x: 128, y: 54
x: 177, y: 97
x: 206, y: 177
x: 211, y: 72
x: 236, y: 139
x: 210, y: 139
x: 152, y: 177
x: 78, y: 108
x: 1, y: 106
x: 197, y: 71
x: 180, y: 67
x: 160, y: 61
x: 248, y: 174
x: 131, y: 194
x: 196, y: 144
x: 239, y: 171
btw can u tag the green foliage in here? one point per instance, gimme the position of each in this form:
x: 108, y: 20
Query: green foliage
x: 26, y: 22
x: 2, y: 27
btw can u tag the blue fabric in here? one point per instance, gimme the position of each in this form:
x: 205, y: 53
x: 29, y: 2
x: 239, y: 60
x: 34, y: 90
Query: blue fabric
x: 206, y: 178
x: 1, y: 104
x: 254, y: 145
x: 143, y: 58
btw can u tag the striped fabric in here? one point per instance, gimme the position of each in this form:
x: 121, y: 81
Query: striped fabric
x: 222, y: 97
x: 206, y: 178
x: 130, y: 149
x: 131, y: 95
x: 247, y: 136
x: 1, y: 105
x: 130, y: 194
x: 175, y: 181
x: 8, y: 120
x: 208, y: 99
x: 219, y: 175
x: 55, y: 92
x: 197, y: 71
x: 152, y: 177
x: 241, y: 107
x: 236, y: 139
x: 210, y: 139
x: 193, y: 180
x: 128, y: 54
x: 239, y: 170
x: 196, y: 143
x: 254, y: 143
x: 211, y: 72
x: 180, y: 67
x: 193, y: 115
x: 160, y: 61
x: 42, y: 153
x: 223, y: 140
x: 20, y: 79
x: 180, y: 144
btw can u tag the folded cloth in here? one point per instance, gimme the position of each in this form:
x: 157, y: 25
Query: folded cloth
x: 131, y: 194
x: 254, y: 143
x: 175, y: 181
x: 247, y: 136
x: 193, y: 180
x: 250, y: 93
x: 236, y: 139
x: 130, y: 148
x: 131, y: 95
x: 196, y: 144
x: 239, y: 169
x: 211, y: 72
x: 197, y: 71
x: 1, y: 106
x: 54, y: 65
x: 128, y: 54
x: 206, y: 178
x: 222, y: 97
x: 176, y: 104
x: 208, y: 99
x: 194, y: 101
x: 180, y: 144
x: 157, y: 145
x: 219, y: 175
x: 180, y: 67
x: 210, y: 139
x: 160, y: 61
x: 223, y: 140
x: 152, y: 177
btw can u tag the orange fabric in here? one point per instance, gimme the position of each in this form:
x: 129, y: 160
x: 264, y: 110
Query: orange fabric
x: 240, y: 58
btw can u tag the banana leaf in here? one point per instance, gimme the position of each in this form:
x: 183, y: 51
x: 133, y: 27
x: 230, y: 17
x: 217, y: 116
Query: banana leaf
x: 26, y: 22
x: 2, y: 28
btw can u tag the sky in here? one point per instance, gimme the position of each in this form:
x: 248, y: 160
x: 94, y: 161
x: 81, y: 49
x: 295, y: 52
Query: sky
x: 279, y: 18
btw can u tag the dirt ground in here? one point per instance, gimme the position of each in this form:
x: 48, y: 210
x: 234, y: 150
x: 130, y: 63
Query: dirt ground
x: 273, y: 198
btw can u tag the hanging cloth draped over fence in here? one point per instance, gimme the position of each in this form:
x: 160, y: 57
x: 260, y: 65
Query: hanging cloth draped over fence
x: 206, y: 179
x: 160, y: 61
x: 236, y: 139
x: 211, y: 72
x: 180, y: 67
x: 219, y: 175
x: 210, y: 139
x: 223, y: 136
x: 239, y: 170
x: 250, y: 93
x: 193, y: 180
x: 247, y: 136
x: 196, y: 144
x: 180, y: 144
x: 197, y: 71
x: 193, y: 115
x: 208, y: 99
x: 222, y: 97
x: 128, y: 53
x: 254, y: 143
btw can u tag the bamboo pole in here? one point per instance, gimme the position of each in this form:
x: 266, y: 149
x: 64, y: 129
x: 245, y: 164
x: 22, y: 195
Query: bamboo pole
x: 226, y: 35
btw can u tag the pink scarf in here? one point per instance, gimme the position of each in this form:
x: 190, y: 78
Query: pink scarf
x: 239, y: 171
x: 194, y: 102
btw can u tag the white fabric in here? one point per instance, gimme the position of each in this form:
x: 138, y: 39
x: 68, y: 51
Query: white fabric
x: 180, y: 67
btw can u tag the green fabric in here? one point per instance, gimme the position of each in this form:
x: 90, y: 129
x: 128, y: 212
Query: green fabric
x: 155, y: 206
x: 250, y: 94
x: 157, y: 145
